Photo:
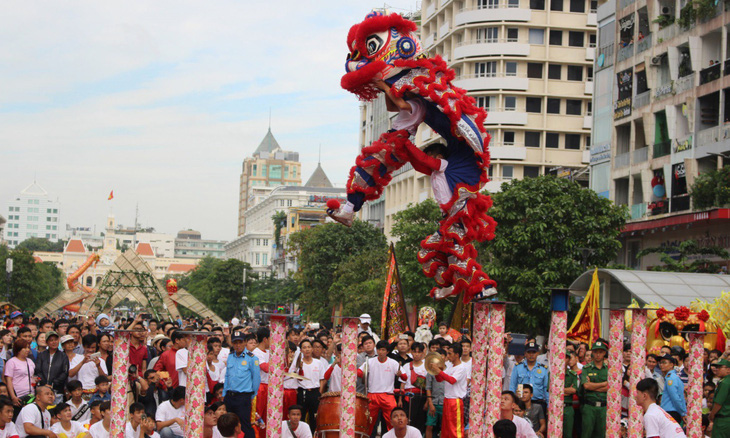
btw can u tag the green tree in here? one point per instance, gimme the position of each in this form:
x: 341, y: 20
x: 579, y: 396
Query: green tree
x: 320, y: 251
x: 684, y: 257
x: 360, y: 283
x: 41, y: 244
x: 31, y: 284
x: 711, y: 189
x: 269, y: 292
x: 279, y: 219
x: 544, y: 224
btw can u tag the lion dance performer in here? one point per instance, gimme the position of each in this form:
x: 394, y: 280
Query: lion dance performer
x: 385, y: 55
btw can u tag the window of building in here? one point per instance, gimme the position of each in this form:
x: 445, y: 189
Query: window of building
x: 592, y: 40
x: 266, y: 259
x: 507, y: 172
x: 594, y: 6
x: 510, y: 103
x: 485, y: 102
x: 513, y: 3
x: 487, y: 4
x: 572, y: 141
x: 575, y: 39
x: 578, y: 6
x: 288, y: 202
x: 510, y: 68
x: 485, y: 69
x: 556, y: 5
x: 552, y: 140
x: 556, y: 37
x: 537, y: 5
x: 553, y: 105
x: 589, y: 108
x: 294, y: 172
x: 286, y: 172
x: 266, y: 242
x: 531, y: 171
x: 263, y: 170
x: 534, y: 70
x: 589, y: 73
x: 253, y: 170
x: 508, y: 138
x: 487, y: 34
x: 573, y: 107
x: 554, y: 71
x: 275, y: 171
x: 49, y: 210
x: 258, y: 259
x: 533, y: 104
x: 513, y: 34
x: 575, y: 73
x: 536, y: 36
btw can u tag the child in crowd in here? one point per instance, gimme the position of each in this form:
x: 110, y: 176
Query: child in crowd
x: 79, y: 408
x: 229, y: 426
x: 707, y: 389
x: 66, y: 427
x: 444, y: 333
x: 7, y: 427
x: 102, y: 390
x: 434, y: 399
x: 101, y: 429
x: 4, y: 390
x: 95, y: 409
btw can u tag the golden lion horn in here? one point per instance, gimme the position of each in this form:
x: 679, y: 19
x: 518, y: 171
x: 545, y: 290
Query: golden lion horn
x: 434, y: 358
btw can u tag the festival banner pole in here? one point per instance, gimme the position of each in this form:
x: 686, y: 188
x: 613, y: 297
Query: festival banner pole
x: 637, y: 371
x: 558, y: 332
x: 615, y: 353
x: 479, y: 369
x: 694, y: 391
x: 349, y: 377
x: 195, y: 390
x: 277, y: 362
x: 496, y: 363
x: 120, y: 368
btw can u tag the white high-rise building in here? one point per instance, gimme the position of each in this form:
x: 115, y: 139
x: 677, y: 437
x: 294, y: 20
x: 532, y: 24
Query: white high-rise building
x: 33, y: 214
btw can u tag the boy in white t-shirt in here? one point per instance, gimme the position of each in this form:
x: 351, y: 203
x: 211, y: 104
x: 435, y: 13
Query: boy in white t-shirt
x: 101, y: 428
x: 134, y: 425
x: 657, y: 422
x: 66, y: 427
x: 382, y: 372
x: 401, y: 429
x: 171, y: 414
x: 7, y: 428
x: 333, y: 375
x: 294, y: 427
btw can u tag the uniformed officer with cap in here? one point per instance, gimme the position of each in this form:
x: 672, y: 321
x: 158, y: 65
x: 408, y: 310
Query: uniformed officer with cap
x: 594, y: 379
x: 529, y: 371
x: 242, y: 379
x: 673, y: 401
x: 720, y: 413
x: 571, y: 387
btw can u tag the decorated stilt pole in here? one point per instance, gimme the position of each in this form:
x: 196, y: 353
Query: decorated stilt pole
x: 637, y: 371
x: 120, y: 376
x: 558, y: 330
x: 479, y: 369
x: 496, y: 365
x: 195, y: 390
x: 348, y: 364
x: 277, y: 363
x: 694, y: 391
x: 615, y: 351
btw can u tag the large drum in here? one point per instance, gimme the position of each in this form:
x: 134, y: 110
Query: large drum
x: 328, y: 416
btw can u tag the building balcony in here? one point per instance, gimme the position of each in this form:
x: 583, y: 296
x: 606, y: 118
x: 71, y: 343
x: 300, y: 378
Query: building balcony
x: 667, y: 33
x: 506, y: 117
x: 431, y: 9
x: 643, y: 44
x: 507, y: 152
x: 640, y: 155
x: 709, y: 136
x: 497, y: 82
x: 428, y: 42
x: 622, y: 160
x: 662, y: 149
x: 587, y: 122
x: 684, y: 83
x: 710, y: 74
x: 642, y: 99
x: 443, y: 30
x: 590, y: 53
x: 466, y: 16
x: 638, y: 211
x: 625, y: 52
x: 469, y: 49
x: 592, y: 19
x: 586, y: 156
x: 625, y: 3
x: 663, y: 90
x: 588, y: 88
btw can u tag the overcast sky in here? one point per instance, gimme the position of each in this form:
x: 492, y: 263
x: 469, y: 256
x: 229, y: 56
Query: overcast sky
x: 161, y: 101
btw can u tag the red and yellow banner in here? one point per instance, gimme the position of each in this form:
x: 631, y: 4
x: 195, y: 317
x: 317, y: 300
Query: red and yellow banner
x: 586, y: 326
x: 394, y: 319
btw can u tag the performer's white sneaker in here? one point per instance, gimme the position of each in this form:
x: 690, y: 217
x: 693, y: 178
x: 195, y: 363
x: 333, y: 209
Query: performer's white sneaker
x: 341, y: 216
x: 485, y: 293
x: 443, y: 292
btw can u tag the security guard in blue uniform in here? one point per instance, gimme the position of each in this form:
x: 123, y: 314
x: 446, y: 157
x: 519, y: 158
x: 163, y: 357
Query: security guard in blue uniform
x: 673, y: 401
x: 529, y: 371
x: 243, y: 376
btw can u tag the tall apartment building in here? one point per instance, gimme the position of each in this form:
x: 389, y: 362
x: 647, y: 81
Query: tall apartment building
x: 666, y: 67
x: 529, y: 64
x: 189, y: 244
x: 33, y: 214
x: 269, y: 166
x: 374, y: 121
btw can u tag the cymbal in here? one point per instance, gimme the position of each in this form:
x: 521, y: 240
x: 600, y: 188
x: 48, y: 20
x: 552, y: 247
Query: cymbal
x: 433, y: 358
x: 295, y: 376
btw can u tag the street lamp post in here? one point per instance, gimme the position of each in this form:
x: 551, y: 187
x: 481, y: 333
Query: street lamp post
x: 244, y: 298
x: 9, y: 276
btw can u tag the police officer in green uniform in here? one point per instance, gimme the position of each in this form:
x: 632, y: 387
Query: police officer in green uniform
x: 571, y: 387
x: 594, y: 379
x: 720, y: 413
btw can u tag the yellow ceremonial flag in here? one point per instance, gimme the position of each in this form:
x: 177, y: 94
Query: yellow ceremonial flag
x: 586, y: 326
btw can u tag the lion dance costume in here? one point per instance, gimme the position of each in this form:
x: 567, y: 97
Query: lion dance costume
x: 386, y: 47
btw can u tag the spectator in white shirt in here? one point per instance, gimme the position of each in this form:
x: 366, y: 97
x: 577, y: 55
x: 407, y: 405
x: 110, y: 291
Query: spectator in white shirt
x: 7, y: 427
x: 101, y: 429
x: 66, y: 426
x: 401, y: 429
x: 229, y: 425
x: 133, y: 428
x: 170, y: 415
x: 506, y: 412
x: 294, y: 427
x: 34, y: 419
x: 181, y: 362
x: 657, y: 423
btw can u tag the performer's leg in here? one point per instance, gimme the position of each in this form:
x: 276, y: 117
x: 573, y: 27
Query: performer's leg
x: 290, y: 399
x: 374, y: 409
x: 452, y: 421
x: 388, y: 404
x: 261, y: 398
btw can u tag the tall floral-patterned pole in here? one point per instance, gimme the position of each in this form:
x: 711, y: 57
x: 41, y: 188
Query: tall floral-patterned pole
x: 195, y: 390
x: 277, y: 363
x: 120, y: 368
x: 479, y: 369
x: 558, y: 330
x: 694, y: 392
x: 496, y: 363
x: 348, y: 401
x: 615, y: 352
x: 637, y: 371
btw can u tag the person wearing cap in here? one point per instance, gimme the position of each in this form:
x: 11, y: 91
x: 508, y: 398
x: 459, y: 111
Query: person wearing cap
x: 594, y: 379
x: 243, y: 377
x: 52, y: 366
x: 720, y: 412
x: 529, y: 371
x: 365, y: 321
x: 571, y: 387
x: 16, y: 319
x: 673, y: 396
